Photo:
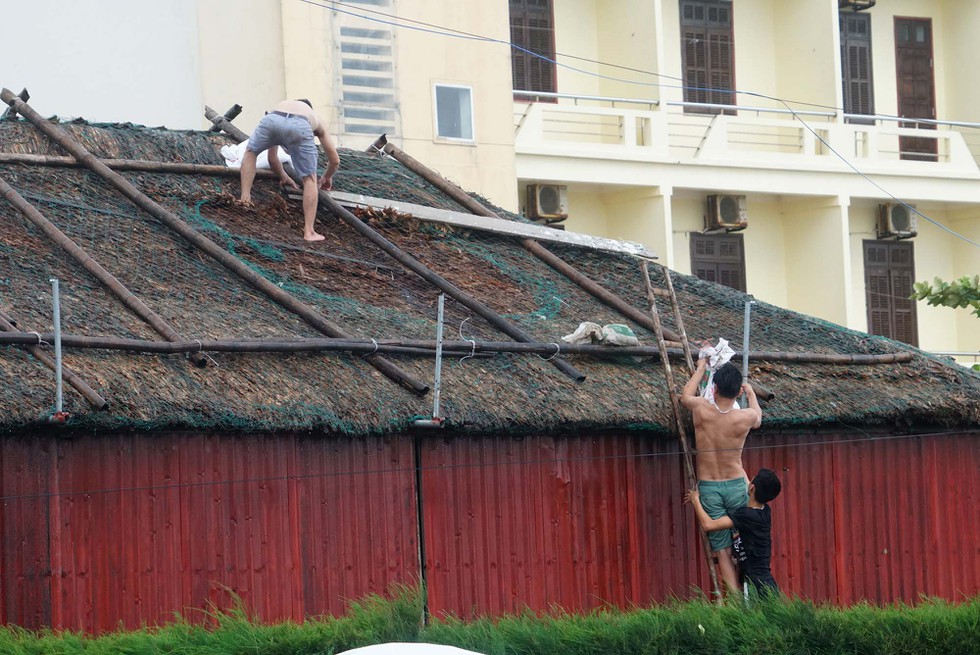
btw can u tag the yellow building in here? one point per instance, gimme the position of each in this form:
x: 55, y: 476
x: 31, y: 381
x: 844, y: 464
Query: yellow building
x: 758, y: 143
x: 819, y: 154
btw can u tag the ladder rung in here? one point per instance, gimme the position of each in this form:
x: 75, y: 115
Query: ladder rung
x: 673, y: 344
x: 660, y: 292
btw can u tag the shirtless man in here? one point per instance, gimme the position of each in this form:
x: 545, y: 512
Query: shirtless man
x: 292, y: 125
x: 719, y: 435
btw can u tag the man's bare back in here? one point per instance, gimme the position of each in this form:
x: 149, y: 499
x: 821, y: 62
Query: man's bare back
x: 720, y: 429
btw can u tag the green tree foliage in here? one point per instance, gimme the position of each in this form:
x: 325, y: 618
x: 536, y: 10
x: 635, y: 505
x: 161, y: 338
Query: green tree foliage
x: 964, y: 292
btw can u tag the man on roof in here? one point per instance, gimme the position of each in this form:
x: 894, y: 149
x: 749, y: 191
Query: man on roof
x: 720, y: 429
x: 292, y: 124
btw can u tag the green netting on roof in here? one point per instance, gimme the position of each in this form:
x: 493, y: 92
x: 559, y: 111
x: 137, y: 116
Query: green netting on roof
x: 354, y: 284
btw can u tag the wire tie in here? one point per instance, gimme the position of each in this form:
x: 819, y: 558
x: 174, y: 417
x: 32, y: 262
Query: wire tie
x: 373, y: 351
x: 200, y: 346
x: 472, y: 341
x: 40, y: 342
x: 211, y: 359
x: 557, y: 352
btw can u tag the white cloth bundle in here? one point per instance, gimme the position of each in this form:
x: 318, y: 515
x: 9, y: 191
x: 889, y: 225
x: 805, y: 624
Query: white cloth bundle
x: 717, y: 357
x: 233, y: 156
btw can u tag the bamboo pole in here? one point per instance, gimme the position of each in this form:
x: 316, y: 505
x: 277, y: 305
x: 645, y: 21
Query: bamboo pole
x: 69, y: 376
x: 414, y: 346
x: 273, y: 292
x: 131, y: 165
x: 554, y: 261
x: 219, y: 122
x: 108, y: 280
x: 230, y: 115
x: 11, y: 112
x: 418, y: 267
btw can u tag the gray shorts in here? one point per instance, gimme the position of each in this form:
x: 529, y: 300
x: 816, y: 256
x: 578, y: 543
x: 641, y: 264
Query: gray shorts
x: 292, y: 132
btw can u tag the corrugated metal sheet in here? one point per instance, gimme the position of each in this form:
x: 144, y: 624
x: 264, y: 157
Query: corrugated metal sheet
x: 141, y: 527
x: 536, y: 522
x: 101, y: 530
x: 580, y: 522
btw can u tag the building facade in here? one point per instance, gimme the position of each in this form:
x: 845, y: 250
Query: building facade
x: 766, y: 145
x: 788, y: 148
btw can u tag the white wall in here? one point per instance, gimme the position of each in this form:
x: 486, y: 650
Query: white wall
x: 817, y: 267
x: 486, y: 165
x: 765, y: 249
x: 241, y: 56
x: 576, y: 33
x: 957, y: 51
x: 106, y: 60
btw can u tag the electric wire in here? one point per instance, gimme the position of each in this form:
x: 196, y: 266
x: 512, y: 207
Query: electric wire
x: 431, y: 28
x: 448, y: 467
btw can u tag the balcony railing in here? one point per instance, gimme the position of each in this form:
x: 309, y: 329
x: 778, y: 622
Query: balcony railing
x: 631, y: 128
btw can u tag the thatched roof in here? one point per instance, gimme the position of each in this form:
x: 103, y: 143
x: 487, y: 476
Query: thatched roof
x: 357, y: 286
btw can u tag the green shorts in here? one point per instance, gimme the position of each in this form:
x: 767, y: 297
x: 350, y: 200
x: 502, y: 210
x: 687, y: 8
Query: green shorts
x: 720, y: 498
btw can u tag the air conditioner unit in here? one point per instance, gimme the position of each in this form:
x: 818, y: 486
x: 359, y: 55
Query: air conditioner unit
x: 726, y: 212
x: 547, y: 202
x: 896, y: 221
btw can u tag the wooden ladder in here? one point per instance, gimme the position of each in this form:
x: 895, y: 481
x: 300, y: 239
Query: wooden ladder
x: 692, y: 480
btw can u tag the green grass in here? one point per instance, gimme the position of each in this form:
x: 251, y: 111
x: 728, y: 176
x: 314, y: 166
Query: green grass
x: 769, y: 628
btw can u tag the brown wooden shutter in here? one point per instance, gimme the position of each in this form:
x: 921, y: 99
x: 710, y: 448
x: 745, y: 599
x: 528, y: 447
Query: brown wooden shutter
x: 532, y: 29
x: 855, y: 36
x: 889, y: 273
x: 518, y: 57
x: 708, y: 52
x: 719, y: 258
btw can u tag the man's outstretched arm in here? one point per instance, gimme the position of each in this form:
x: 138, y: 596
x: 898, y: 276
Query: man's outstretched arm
x: 689, y: 395
x: 708, y: 524
x: 753, y: 404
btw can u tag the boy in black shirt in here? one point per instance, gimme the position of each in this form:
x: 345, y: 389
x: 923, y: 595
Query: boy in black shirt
x: 753, y: 523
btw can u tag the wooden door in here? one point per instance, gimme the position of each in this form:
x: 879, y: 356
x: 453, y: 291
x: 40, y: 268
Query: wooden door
x: 916, y: 84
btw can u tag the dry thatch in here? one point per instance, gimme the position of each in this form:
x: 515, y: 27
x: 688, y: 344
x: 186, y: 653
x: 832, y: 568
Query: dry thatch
x: 357, y: 286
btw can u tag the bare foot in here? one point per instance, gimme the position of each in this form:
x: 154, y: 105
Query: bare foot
x: 314, y: 237
x: 245, y: 203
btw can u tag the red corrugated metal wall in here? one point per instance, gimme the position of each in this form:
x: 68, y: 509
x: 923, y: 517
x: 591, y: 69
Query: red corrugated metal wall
x: 579, y: 522
x: 98, y: 531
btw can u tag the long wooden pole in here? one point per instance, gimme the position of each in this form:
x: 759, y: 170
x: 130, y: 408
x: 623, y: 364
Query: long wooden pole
x: 233, y: 264
x: 554, y: 261
x: 419, y: 268
x: 11, y: 112
x: 130, y: 165
x: 408, y: 346
x: 69, y: 376
x: 108, y: 280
